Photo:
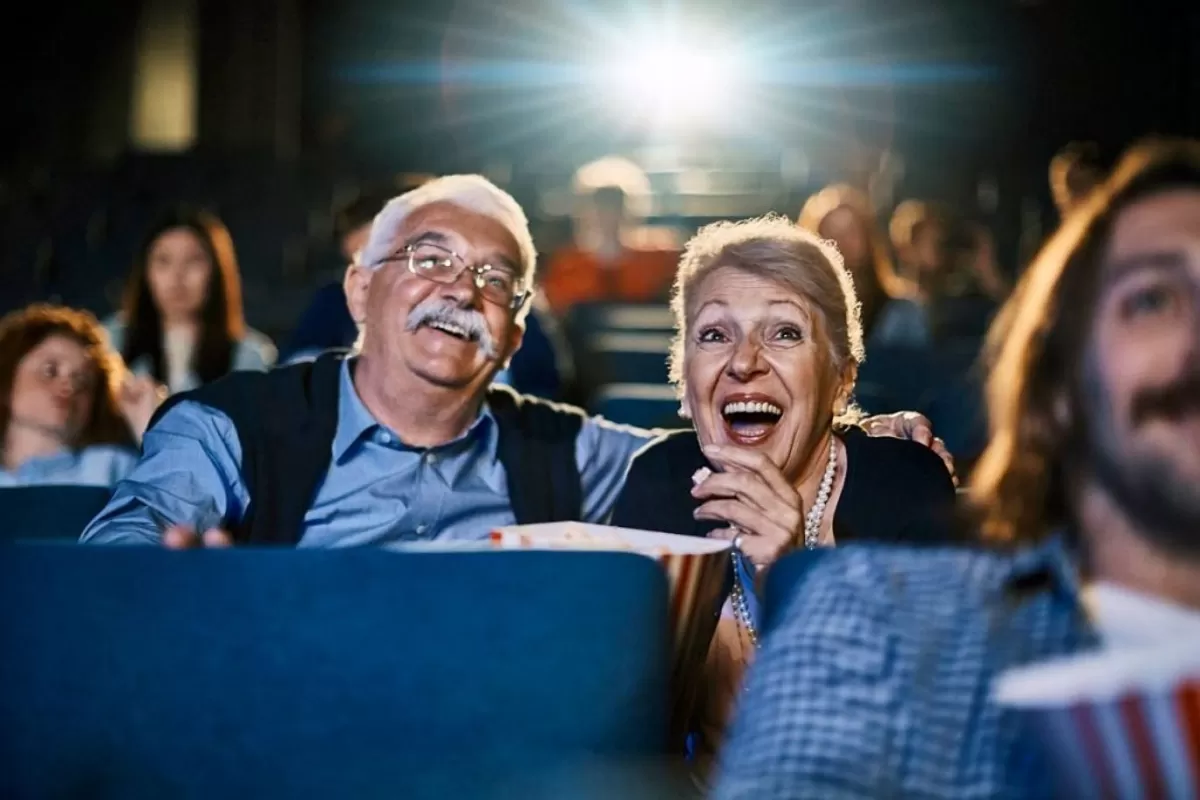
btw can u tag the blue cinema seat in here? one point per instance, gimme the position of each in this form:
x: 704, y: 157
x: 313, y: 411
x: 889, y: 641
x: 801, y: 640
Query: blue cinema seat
x: 138, y: 672
x: 48, y: 512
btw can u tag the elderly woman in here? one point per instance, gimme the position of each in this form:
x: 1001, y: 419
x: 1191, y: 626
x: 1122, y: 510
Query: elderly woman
x: 767, y: 347
x: 69, y: 413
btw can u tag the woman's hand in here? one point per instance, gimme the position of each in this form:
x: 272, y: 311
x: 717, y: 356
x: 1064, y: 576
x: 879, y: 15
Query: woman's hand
x: 137, y: 399
x: 753, y: 496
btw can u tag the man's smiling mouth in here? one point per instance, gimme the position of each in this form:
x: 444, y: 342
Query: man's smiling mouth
x: 457, y: 331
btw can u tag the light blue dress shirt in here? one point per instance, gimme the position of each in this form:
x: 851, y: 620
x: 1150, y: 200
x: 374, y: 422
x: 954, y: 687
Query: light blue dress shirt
x: 377, y: 490
x: 98, y: 465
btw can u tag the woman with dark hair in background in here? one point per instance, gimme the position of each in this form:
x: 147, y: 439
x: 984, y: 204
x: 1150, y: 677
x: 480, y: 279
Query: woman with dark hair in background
x: 68, y: 412
x: 181, y: 321
x: 843, y: 215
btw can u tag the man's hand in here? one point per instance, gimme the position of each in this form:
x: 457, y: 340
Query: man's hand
x: 914, y: 427
x: 178, y: 537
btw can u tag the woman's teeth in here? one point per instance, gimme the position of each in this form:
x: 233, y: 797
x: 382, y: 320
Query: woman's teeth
x: 752, y: 408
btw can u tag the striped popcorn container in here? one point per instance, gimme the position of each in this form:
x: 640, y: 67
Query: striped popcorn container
x: 696, y: 569
x: 1123, y: 722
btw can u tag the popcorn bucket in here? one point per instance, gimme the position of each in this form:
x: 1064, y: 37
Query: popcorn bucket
x: 1123, y: 722
x: 696, y: 568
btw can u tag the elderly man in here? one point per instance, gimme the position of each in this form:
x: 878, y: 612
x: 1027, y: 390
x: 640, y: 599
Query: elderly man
x: 406, y: 440
x: 875, y: 680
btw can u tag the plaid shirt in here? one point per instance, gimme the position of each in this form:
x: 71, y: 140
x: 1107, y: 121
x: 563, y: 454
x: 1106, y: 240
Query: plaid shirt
x: 874, y: 680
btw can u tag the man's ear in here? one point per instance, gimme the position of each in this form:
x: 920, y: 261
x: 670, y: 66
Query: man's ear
x: 355, y: 283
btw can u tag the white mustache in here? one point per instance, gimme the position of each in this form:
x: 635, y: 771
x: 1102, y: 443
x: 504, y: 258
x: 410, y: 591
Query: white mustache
x: 470, y: 320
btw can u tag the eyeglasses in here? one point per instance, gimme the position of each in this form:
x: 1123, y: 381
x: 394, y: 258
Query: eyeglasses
x: 435, y: 263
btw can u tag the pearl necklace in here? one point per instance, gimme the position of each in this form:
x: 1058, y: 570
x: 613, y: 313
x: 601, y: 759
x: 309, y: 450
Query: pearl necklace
x: 812, y: 538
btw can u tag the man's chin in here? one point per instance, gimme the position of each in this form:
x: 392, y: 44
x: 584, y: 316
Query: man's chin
x: 1160, y: 496
x: 445, y: 376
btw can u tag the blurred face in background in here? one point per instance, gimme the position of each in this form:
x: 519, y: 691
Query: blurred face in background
x: 354, y: 241
x: 602, y: 219
x: 844, y: 226
x: 1140, y: 395
x: 929, y: 246
x: 179, y: 270
x: 52, y: 389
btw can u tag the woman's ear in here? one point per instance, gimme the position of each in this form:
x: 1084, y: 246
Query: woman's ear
x: 685, y: 410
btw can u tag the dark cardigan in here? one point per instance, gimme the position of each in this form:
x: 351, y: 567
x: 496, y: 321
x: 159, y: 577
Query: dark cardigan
x: 895, y: 491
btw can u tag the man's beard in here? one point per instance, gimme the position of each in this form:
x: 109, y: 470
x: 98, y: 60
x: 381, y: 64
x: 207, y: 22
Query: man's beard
x: 1162, y: 504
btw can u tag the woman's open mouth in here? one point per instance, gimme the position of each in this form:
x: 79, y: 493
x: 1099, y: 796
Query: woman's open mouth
x: 749, y: 422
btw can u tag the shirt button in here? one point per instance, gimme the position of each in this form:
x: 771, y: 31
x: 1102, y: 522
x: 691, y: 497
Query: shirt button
x: 431, y: 458
x: 421, y: 529
x: 386, y: 438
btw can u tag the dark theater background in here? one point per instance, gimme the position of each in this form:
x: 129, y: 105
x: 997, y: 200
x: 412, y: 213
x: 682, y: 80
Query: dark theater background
x: 274, y: 111
x: 327, y: 94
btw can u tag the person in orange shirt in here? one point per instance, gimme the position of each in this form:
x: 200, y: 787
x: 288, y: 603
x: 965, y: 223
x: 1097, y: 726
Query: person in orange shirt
x: 607, y: 261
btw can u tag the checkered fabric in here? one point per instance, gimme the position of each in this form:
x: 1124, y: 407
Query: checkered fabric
x: 874, y: 681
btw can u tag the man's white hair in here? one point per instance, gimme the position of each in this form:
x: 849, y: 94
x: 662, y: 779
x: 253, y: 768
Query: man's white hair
x: 472, y: 192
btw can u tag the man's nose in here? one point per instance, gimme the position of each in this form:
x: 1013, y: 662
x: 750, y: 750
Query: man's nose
x: 464, y: 292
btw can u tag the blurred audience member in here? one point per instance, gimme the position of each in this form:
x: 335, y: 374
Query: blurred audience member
x: 326, y: 324
x: 923, y: 234
x: 69, y: 414
x: 181, y: 321
x: 877, y: 679
x: 968, y: 297
x: 1074, y: 172
x: 845, y: 216
x: 611, y: 258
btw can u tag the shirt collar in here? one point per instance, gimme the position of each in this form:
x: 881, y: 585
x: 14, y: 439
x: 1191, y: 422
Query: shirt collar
x: 1053, y: 564
x: 353, y: 418
x: 355, y: 421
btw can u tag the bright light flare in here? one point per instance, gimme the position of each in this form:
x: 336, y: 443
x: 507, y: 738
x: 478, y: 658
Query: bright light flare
x: 672, y: 83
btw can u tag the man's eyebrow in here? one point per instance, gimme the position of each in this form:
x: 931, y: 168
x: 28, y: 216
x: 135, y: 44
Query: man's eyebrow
x: 433, y: 237
x: 1158, y: 260
x: 503, y: 260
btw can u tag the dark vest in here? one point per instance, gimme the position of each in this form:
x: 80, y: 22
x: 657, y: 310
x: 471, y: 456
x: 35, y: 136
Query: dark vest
x: 286, y: 419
